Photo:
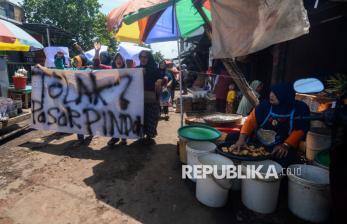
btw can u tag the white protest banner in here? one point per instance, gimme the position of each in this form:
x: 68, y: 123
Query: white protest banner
x: 103, y: 102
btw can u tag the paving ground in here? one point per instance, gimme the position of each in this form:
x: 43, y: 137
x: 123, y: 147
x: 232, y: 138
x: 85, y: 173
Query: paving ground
x: 44, y: 179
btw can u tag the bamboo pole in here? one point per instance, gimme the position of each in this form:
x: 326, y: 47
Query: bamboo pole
x: 229, y: 63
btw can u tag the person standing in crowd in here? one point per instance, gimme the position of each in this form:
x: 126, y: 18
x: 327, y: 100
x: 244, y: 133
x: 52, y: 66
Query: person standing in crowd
x: 59, y: 60
x: 152, y: 87
x: 172, y: 71
x: 100, y: 60
x: 231, y: 99
x: 96, y: 65
x: 245, y: 107
x: 105, y: 58
x: 117, y: 63
x: 221, y: 87
x: 165, y: 96
x: 80, y: 60
x: 130, y: 63
x: 185, y: 79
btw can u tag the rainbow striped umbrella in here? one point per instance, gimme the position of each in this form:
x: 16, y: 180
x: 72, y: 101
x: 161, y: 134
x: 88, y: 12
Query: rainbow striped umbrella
x: 160, y: 22
x: 13, y: 38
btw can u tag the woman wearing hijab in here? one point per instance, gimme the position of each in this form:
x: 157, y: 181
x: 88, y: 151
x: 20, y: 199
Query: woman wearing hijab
x: 165, y: 96
x: 59, y: 60
x: 245, y: 107
x: 272, y: 125
x: 117, y: 63
x: 81, y: 62
x: 105, y: 58
x: 152, y: 87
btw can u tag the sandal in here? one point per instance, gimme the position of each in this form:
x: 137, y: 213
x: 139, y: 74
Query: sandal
x: 112, y: 141
x: 123, y: 142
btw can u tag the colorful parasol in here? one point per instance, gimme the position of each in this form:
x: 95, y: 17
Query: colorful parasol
x: 164, y: 21
x: 152, y: 21
x: 13, y: 38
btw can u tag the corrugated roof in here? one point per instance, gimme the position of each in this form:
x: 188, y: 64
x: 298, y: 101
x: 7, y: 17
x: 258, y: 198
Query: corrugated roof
x: 41, y: 29
x: 14, y: 2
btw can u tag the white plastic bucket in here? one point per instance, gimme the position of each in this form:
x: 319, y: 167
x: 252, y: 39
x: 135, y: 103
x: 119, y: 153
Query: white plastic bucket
x: 197, y: 148
x: 210, y: 191
x: 315, y: 163
x: 309, y: 193
x: 317, y: 139
x: 261, y: 195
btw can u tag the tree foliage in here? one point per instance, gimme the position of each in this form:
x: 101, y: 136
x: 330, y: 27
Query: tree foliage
x: 100, y: 30
x: 79, y: 17
x: 158, y: 56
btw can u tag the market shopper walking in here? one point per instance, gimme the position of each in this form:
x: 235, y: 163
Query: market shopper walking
x: 172, y: 72
x: 245, y: 107
x: 152, y: 87
x: 165, y: 95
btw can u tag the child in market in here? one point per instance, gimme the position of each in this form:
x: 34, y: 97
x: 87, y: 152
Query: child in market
x: 231, y: 98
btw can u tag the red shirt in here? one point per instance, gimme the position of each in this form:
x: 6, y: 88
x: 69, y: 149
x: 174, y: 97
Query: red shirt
x: 101, y: 66
x: 222, y: 86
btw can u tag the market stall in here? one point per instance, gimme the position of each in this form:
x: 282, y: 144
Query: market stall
x: 14, y: 97
x: 201, y: 141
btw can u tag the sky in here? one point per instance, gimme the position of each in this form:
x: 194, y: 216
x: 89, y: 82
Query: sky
x: 168, y: 49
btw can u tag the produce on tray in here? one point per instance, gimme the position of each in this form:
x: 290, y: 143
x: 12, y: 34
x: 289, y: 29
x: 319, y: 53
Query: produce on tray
x: 246, y: 151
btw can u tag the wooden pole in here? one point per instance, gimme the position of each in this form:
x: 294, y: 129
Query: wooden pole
x: 229, y: 63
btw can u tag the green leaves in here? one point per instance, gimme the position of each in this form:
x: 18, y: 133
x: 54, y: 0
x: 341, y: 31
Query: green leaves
x: 80, y: 17
x: 337, y: 84
x: 158, y: 56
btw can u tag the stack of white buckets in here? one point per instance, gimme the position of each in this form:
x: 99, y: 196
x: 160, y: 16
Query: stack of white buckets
x: 209, y: 191
x: 308, y: 190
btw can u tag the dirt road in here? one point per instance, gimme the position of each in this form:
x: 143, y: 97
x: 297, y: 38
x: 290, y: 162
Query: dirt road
x: 44, y: 179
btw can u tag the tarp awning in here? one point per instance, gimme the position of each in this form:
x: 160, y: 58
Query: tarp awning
x: 241, y: 27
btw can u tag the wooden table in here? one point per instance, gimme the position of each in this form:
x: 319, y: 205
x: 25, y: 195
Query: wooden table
x: 15, y: 125
x: 23, y: 94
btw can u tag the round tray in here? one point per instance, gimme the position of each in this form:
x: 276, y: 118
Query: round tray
x: 199, y: 133
x: 236, y: 157
x: 227, y: 119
